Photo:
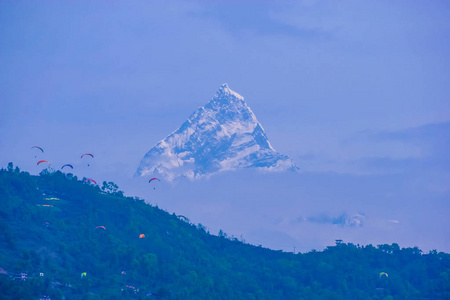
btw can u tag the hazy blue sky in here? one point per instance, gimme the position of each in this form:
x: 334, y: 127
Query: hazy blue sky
x: 356, y: 92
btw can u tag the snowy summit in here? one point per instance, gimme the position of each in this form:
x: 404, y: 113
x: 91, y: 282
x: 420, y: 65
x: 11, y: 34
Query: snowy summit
x: 223, y: 135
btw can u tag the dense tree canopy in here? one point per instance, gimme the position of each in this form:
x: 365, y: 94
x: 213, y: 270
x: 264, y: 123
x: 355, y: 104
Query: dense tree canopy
x: 74, y: 239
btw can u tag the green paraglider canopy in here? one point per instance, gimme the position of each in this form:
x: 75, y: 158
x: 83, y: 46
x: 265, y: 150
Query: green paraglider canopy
x: 37, y: 147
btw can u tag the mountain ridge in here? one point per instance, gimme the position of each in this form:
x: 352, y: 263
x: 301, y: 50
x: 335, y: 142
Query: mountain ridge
x: 93, y: 243
x: 223, y: 135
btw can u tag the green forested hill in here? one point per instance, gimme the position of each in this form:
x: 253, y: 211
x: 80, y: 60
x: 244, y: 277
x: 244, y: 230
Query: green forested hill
x: 48, y: 225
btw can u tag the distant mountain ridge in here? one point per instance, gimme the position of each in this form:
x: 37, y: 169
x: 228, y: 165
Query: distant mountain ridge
x: 223, y: 135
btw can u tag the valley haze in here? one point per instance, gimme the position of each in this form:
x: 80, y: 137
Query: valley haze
x: 355, y: 93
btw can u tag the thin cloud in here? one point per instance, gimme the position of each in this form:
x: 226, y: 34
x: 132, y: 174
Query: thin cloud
x: 344, y: 219
x: 412, y: 149
x: 261, y: 19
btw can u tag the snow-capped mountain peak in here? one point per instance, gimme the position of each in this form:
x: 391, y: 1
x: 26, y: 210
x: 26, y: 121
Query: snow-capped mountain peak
x: 222, y: 135
x: 225, y: 91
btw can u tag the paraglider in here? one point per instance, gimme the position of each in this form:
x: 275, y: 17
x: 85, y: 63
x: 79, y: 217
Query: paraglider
x: 83, y: 274
x: 100, y: 227
x: 153, y: 180
x: 141, y: 236
x: 42, y: 161
x: 87, y: 154
x: 90, y: 180
x: 67, y: 165
x: 37, y: 147
x: 384, y: 274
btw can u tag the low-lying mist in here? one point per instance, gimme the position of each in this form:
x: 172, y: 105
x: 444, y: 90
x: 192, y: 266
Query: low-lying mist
x: 304, y: 211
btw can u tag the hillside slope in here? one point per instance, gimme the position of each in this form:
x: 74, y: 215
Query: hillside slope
x: 50, y: 225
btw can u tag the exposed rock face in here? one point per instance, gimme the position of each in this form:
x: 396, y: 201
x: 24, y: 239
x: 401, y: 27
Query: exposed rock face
x: 221, y: 136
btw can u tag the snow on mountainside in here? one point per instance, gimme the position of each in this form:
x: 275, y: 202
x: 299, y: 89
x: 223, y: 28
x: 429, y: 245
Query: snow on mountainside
x: 223, y: 135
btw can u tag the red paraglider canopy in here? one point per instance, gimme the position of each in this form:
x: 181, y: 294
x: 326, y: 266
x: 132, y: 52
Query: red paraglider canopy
x: 87, y: 154
x: 42, y: 161
x: 91, y: 180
